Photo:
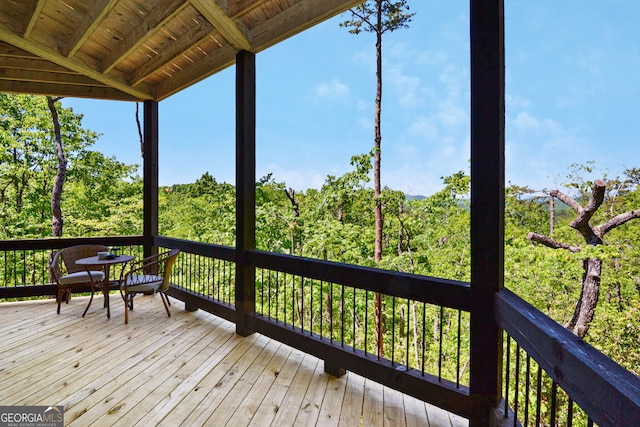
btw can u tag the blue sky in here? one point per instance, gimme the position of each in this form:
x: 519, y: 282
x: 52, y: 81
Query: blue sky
x: 572, y: 96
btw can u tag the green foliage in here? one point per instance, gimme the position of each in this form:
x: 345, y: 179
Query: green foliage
x: 394, y: 15
x: 101, y: 195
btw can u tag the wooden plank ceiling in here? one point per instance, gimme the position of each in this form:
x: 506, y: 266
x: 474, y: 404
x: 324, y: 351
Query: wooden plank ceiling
x: 139, y: 49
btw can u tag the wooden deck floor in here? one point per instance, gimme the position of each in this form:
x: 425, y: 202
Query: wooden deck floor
x: 190, y: 369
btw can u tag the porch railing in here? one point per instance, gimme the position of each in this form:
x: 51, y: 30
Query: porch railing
x: 550, y: 377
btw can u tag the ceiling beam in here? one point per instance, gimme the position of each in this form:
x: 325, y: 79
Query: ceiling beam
x: 142, y: 32
x: 297, y: 18
x: 98, y: 9
x: 188, y: 41
x: 222, y: 58
x: 34, y: 9
x: 56, y: 89
x: 225, y: 25
x: 44, y: 52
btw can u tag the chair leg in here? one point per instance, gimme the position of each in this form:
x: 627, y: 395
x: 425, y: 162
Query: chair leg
x: 88, y: 305
x: 165, y: 301
x: 126, y: 308
x: 59, y: 297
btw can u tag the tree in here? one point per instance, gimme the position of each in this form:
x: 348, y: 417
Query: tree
x: 378, y: 17
x: 61, y: 170
x: 593, y: 237
x: 99, y: 192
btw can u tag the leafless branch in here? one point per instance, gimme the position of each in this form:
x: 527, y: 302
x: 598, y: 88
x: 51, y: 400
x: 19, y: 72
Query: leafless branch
x: 603, y: 229
x: 551, y: 242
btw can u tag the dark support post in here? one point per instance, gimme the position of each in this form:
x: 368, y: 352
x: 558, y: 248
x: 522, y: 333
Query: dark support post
x: 150, y: 176
x: 334, y: 370
x: 245, y: 187
x: 487, y: 204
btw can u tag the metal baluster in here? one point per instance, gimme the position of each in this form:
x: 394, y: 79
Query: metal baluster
x: 366, y: 322
x: 440, y: 344
x: 393, y: 329
x: 527, y: 388
x: 554, y: 395
x: 342, y: 308
x: 517, y: 386
x: 539, y: 396
x: 508, y: 376
x: 408, y: 332
x: 458, y: 352
x: 424, y: 335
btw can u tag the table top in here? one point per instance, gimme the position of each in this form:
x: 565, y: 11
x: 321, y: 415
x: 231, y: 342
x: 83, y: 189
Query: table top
x: 93, y: 260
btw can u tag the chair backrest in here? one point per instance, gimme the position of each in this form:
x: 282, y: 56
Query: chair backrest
x: 64, y: 261
x: 161, y: 265
x: 169, y: 260
x: 73, y: 253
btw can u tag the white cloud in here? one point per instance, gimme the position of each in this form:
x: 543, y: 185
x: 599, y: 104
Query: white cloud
x: 591, y: 61
x: 424, y: 128
x: 451, y: 115
x: 516, y: 102
x: 455, y: 80
x: 334, y: 89
x: 298, y: 179
x: 539, y: 150
x: 406, y: 86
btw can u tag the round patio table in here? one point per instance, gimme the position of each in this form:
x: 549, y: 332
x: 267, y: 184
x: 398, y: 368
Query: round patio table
x: 94, y: 261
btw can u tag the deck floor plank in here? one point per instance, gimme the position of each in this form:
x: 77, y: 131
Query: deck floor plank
x: 293, y: 399
x: 188, y: 369
x: 310, y: 410
x: 270, y: 405
x: 249, y: 406
x: 351, y: 413
x: 228, y: 407
x: 373, y: 405
x: 393, y: 410
x: 332, y: 402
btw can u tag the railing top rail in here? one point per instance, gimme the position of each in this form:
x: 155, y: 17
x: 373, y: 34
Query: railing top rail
x: 448, y: 293
x: 225, y: 253
x: 606, y: 391
x: 61, y: 242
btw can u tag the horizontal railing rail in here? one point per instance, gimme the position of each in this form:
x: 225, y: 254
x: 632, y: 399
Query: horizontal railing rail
x: 558, y: 378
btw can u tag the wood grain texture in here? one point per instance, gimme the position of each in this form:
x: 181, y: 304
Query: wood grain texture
x: 189, y: 369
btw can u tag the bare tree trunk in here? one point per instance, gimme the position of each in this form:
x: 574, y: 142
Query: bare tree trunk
x: 56, y: 193
x: 139, y: 131
x: 400, y: 211
x: 552, y: 215
x: 291, y: 195
x: 377, y: 250
x: 586, y: 306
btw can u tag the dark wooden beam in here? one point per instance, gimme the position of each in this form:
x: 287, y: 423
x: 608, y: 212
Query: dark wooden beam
x: 603, y: 389
x: 245, y: 187
x: 150, y: 176
x: 487, y: 203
